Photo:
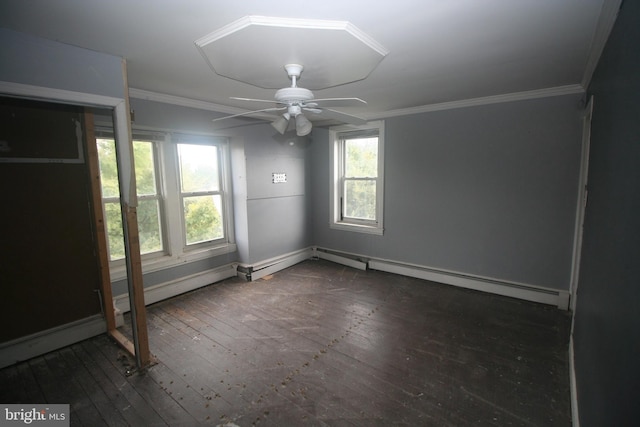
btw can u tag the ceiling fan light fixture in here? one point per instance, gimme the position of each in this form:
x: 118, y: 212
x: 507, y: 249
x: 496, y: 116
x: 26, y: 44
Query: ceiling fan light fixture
x: 281, y: 123
x: 303, y: 125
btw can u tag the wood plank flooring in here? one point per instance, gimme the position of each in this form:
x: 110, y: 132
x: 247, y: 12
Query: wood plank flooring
x: 319, y: 344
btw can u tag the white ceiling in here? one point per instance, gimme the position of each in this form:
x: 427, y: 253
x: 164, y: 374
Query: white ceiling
x: 438, y: 51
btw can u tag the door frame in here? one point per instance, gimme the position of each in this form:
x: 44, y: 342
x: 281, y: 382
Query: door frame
x: 581, y: 201
x: 126, y: 174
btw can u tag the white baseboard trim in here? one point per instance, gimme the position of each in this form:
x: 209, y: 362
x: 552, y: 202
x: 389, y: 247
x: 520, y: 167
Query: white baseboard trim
x: 264, y: 268
x: 339, y: 259
x: 575, y: 415
x: 165, y: 290
x: 30, y: 346
x: 510, y: 289
x: 523, y: 291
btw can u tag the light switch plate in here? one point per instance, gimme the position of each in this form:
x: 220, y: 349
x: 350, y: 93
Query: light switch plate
x: 278, y: 177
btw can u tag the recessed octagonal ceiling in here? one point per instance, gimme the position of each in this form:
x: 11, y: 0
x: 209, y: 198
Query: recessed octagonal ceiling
x: 332, y: 52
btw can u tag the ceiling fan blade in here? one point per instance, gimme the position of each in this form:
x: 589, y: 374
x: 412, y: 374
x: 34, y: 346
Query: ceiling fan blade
x: 249, y: 112
x: 254, y: 100
x: 343, y: 117
x: 338, y: 102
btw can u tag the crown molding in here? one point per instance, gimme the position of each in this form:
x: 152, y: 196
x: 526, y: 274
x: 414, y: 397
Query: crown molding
x: 300, y: 23
x: 181, y: 101
x: 299, y: 41
x: 494, y: 99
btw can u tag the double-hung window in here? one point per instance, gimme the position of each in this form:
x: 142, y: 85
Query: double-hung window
x: 150, y: 223
x: 357, y: 177
x: 182, y: 186
x: 201, y: 193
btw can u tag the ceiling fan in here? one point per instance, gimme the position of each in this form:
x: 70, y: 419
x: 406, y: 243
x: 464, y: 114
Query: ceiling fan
x: 295, y: 101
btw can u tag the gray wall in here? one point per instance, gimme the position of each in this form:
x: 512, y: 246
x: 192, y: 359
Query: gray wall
x: 159, y: 115
x: 488, y: 190
x: 607, y: 316
x: 277, y: 215
x: 34, y: 61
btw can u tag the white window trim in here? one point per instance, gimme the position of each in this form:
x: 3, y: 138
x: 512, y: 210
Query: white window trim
x: 175, y: 253
x: 159, y: 196
x: 156, y: 139
x: 222, y: 191
x: 335, y: 221
x: 174, y: 202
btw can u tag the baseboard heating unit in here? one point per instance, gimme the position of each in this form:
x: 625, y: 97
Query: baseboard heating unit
x: 543, y: 295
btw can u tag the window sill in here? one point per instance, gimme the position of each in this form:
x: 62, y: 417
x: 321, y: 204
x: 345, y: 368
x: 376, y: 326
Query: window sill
x: 119, y: 272
x: 358, y: 228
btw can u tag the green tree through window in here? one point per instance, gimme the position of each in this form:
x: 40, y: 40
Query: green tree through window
x: 360, y: 178
x: 201, y: 193
x: 357, y: 177
x: 149, y: 222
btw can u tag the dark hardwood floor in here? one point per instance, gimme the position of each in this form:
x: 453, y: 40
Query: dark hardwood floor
x: 319, y: 344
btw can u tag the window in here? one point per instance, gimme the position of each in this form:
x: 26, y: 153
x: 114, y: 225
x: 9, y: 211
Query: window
x: 182, y: 182
x: 149, y: 198
x: 357, y: 177
x: 201, y: 193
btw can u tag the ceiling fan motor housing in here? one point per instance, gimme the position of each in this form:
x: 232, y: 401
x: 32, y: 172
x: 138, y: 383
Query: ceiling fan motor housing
x: 293, y: 95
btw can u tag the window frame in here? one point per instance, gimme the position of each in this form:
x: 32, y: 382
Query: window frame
x: 168, y: 186
x: 159, y: 196
x: 154, y: 140
x: 337, y: 137
x: 220, y: 192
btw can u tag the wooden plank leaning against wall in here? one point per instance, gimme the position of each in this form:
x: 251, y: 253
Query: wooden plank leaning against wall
x: 143, y: 356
